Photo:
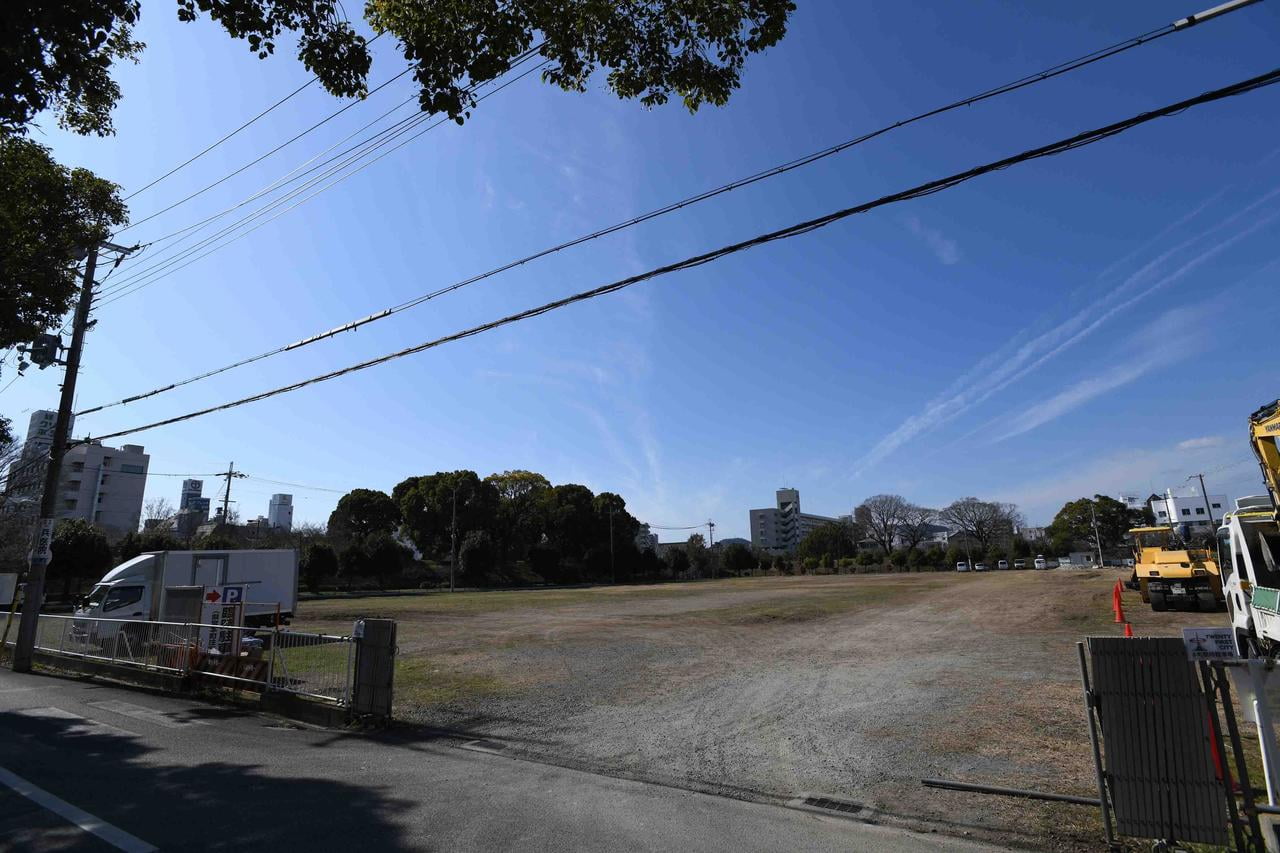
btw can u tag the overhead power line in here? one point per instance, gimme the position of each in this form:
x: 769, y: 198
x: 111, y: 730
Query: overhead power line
x: 299, y: 485
x: 228, y: 136
x: 259, y: 159
x: 1078, y: 141
x: 1028, y: 80
x: 165, y: 265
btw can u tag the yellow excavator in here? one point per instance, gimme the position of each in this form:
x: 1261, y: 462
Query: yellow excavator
x: 1249, y: 546
x: 1170, y: 574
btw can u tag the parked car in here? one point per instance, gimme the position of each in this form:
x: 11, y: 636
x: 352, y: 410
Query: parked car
x: 979, y: 567
x: 962, y: 567
x: 1019, y: 564
x: 1041, y: 562
x: 1002, y: 564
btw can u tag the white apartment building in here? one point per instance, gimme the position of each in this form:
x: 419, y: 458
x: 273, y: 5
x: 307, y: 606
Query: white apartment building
x: 100, y: 484
x: 1186, y: 509
x: 280, y: 512
x: 781, y: 528
x: 103, y: 485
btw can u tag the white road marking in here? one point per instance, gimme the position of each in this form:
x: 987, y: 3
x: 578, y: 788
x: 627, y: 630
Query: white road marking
x: 113, y: 835
x: 140, y: 712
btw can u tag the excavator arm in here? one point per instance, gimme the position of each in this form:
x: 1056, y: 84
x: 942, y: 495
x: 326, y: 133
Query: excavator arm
x: 1264, y: 436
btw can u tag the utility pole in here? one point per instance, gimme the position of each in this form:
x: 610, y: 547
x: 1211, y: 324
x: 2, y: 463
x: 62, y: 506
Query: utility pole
x: 613, y: 572
x: 33, y: 598
x: 1093, y: 515
x: 453, y: 538
x: 226, y: 497
x: 711, y: 542
x: 1207, y: 508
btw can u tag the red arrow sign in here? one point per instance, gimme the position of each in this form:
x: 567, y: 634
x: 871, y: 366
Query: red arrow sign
x: 212, y: 596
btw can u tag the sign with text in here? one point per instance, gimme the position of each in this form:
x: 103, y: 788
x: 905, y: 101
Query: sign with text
x: 1209, y: 643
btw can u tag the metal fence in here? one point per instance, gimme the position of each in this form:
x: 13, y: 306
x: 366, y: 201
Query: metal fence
x: 318, y: 666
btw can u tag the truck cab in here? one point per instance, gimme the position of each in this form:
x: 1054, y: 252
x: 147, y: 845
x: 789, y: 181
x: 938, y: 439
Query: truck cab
x: 1249, y: 553
x: 123, y: 593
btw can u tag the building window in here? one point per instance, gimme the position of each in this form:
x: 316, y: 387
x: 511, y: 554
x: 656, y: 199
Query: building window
x: 77, y: 466
x: 1186, y: 512
x: 1199, y: 510
x: 133, y: 469
x: 1164, y: 514
x: 1217, y: 506
x: 105, y: 477
x: 100, y: 497
x: 106, y: 462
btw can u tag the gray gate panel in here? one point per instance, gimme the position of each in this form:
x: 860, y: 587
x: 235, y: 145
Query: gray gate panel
x: 1156, y: 741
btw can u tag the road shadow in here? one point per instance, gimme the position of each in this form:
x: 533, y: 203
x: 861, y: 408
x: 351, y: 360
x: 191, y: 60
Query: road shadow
x: 205, y: 805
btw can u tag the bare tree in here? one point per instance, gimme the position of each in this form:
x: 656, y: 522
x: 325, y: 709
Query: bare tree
x: 985, y: 521
x: 156, y: 512
x: 882, y: 516
x: 916, y: 521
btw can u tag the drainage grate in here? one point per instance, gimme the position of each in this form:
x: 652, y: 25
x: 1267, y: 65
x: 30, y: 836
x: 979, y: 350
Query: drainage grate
x: 832, y: 805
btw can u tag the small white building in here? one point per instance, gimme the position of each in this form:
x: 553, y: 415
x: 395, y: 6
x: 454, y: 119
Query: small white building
x: 1190, y: 510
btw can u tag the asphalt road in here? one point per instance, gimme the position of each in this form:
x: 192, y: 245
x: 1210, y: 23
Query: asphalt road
x: 86, y: 766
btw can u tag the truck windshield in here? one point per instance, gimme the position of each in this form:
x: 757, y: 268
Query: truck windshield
x: 1263, y: 541
x: 95, y: 598
x: 120, y: 596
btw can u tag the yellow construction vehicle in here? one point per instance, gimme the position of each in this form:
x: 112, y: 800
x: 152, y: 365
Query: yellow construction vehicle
x: 1170, y: 574
x: 1249, y: 546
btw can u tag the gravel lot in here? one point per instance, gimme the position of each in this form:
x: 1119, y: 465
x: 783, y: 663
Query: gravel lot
x: 768, y: 688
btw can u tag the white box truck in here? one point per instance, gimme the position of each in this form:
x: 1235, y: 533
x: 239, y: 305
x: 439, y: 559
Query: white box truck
x: 198, y: 586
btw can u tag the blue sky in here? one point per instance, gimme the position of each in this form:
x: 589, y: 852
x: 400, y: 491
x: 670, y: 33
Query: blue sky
x: 1099, y: 321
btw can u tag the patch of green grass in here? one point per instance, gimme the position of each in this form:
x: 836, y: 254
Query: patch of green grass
x: 422, y: 681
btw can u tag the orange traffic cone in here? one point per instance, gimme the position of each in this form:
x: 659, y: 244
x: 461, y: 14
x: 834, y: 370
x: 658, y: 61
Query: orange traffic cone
x: 1128, y: 630
x: 1116, y: 603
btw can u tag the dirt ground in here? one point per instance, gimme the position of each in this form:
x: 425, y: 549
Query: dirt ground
x: 852, y: 687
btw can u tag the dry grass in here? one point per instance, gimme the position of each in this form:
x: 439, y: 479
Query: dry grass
x: 850, y: 685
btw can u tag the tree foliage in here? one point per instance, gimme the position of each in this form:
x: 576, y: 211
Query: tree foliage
x: 60, y: 54
x: 319, y: 562
x: 915, y: 525
x: 361, y: 513
x: 737, y: 560
x: 1074, y: 523
x: 49, y: 215
x: 985, y: 521
x: 835, y: 539
x: 80, y: 552
x: 883, y: 516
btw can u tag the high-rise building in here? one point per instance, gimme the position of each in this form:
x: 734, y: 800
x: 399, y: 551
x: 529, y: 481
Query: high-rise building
x: 280, y: 512
x: 781, y: 528
x: 191, y: 490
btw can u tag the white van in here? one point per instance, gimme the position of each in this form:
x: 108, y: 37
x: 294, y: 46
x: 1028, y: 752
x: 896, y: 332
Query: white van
x: 1041, y: 562
x: 962, y: 566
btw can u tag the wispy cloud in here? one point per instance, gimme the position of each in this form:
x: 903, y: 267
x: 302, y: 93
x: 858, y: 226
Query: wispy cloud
x: 1019, y: 357
x: 946, y: 250
x: 1170, y: 338
x: 1200, y: 443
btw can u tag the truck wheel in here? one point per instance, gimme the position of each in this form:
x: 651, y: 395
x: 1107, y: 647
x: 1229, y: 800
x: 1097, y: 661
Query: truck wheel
x: 1158, y: 602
